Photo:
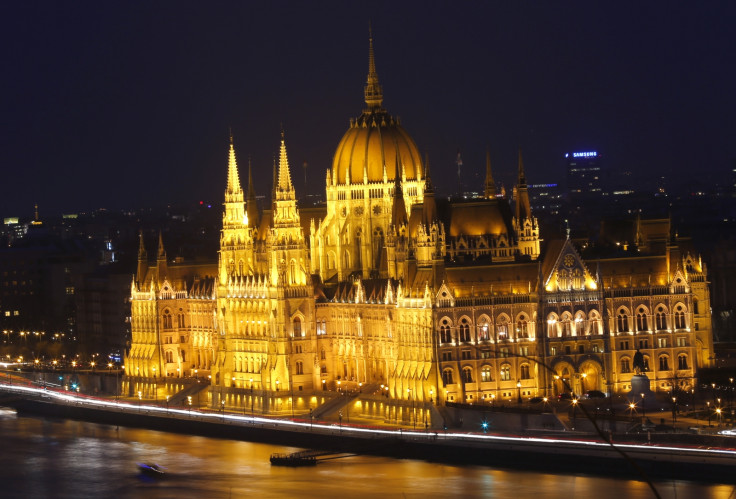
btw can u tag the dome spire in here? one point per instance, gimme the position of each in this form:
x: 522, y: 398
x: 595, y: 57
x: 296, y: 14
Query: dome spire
x: 373, y: 91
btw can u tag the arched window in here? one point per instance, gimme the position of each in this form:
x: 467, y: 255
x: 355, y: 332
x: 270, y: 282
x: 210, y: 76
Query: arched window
x: 679, y: 317
x: 297, y: 327
x: 641, y: 320
x: 180, y: 321
x: 467, y: 375
x: 664, y: 363
x: 523, y: 327
x: 486, y: 374
x: 447, y: 377
x: 322, y: 354
x: 241, y: 265
x: 595, y: 322
x: 483, y: 329
x: 502, y: 328
x: 579, y: 324
x: 660, y: 319
x: 445, y: 332
x: 505, y: 372
x: 552, y: 329
x: 524, y: 372
x: 299, y: 367
x: 566, y: 325
x: 682, y: 361
x: 622, y: 322
x: 625, y: 366
x: 323, y: 369
x: 464, y: 330
x: 167, y: 320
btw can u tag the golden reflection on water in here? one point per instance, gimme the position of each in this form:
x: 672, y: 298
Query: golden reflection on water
x: 45, y: 458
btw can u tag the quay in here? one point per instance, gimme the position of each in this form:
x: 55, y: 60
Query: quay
x: 586, y: 454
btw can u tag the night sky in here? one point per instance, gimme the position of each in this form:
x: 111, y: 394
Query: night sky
x: 127, y: 104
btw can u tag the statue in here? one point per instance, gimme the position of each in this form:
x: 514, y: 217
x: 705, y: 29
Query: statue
x: 638, y: 363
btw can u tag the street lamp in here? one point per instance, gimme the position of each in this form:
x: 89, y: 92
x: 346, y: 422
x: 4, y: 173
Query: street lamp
x: 189, y: 399
x: 574, y: 406
x: 251, y: 398
x: 718, y: 411
x: 708, y: 411
x: 643, y: 408
x: 674, y: 411
x: 413, y: 413
x: 632, y: 409
x: 518, y: 388
x: 431, y: 395
x: 140, y: 400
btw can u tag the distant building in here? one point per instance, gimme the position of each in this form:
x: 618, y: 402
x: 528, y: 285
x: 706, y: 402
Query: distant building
x: 584, y: 174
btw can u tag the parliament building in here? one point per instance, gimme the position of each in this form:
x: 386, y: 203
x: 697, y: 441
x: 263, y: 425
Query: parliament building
x: 434, y: 300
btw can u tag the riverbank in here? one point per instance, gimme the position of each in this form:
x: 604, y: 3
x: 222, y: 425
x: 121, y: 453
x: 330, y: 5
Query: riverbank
x: 586, y: 455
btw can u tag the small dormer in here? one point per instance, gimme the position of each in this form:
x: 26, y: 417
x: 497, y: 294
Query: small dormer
x: 679, y: 284
x: 445, y: 297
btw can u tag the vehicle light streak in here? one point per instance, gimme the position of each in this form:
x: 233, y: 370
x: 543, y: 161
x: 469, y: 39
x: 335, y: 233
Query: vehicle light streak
x: 306, y: 425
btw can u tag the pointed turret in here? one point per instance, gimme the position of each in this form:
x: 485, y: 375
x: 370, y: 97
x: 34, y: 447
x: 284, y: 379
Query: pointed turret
x: 373, y: 90
x: 284, y: 173
x: 429, y: 207
x: 490, y: 190
x: 523, y: 208
x: 398, y: 213
x: 161, y: 263
x: 234, y: 193
x: 251, y: 205
x: 142, y: 259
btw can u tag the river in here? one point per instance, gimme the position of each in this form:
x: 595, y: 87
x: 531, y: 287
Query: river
x: 58, y: 458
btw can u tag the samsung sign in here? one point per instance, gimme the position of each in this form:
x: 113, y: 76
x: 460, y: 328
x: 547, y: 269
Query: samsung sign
x: 589, y: 154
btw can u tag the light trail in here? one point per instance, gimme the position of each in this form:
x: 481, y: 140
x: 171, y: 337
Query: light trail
x: 304, y: 425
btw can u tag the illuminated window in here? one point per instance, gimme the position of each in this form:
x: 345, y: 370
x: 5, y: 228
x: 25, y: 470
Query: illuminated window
x: 485, y: 374
x: 505, y: 373
x: 503, y: 328
x: 523, y: 327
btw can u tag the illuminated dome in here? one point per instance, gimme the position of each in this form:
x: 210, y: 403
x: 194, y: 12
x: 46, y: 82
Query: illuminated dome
x: 374, y: 140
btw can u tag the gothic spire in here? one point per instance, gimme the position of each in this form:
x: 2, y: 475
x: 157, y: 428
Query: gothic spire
x: 490, y: 190
x: 522, y: 177
x: 429, y: 206
x: 284, y: 174
x: 233, y: 182
x: 251, y: 206
x: 373, y: 90
x: 398, y: 213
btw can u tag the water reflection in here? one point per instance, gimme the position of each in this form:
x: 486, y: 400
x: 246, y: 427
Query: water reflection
x: 54, y: 458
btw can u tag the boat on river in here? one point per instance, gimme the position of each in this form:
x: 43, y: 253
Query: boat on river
x: 151, y: 469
